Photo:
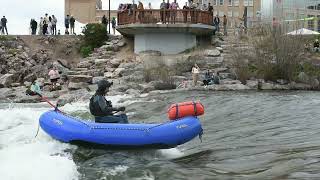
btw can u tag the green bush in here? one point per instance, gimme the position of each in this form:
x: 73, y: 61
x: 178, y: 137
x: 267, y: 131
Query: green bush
x: 94, y: 36
x: 86, y: 50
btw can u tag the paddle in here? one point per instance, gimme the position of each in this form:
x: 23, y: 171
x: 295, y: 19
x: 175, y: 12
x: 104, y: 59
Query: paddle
x: 46, y: 100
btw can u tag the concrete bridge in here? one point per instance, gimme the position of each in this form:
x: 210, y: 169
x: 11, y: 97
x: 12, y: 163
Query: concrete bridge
x: 86, y: 11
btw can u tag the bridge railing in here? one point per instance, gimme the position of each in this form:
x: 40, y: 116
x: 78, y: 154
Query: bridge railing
x: 165, y: 17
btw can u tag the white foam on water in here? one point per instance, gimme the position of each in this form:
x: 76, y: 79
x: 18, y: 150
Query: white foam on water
x: 24, y: 157
x: 116, y: 170
x: 172, y: 153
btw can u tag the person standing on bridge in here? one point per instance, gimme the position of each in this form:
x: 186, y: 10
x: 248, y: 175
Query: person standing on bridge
x: 174, y: 6
x: 162, y: 11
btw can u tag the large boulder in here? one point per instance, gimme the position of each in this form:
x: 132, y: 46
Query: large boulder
x: 78, y: 95
x: 212, y: 53
x: 101, y: 62
x: 85, y: 64
x: 118, y: 72
x: 75, y: 86
x: 6, y: 80
x: 95, y: 80
x: 115, y: 63
x: 80, y: 78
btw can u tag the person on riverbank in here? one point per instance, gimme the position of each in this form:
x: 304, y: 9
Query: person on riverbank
x: 67, y: 24
x: 54, y: 77
x: 104, y: 21
x: 217, y: 23
x: 208, y: 78
x: 225, y: 23
x: 72, y: 22
x: 114, y: 23
x: 45, y: 26
x: 216, y: 78
x: 102, y: 109
x: 33, y: 26
x: 167, y: 12
x: 195, y: 74
x: 54, y: 25
x: 34, y: 89
x: 4, y: 22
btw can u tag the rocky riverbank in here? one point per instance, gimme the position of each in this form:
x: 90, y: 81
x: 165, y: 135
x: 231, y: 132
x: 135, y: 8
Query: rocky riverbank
x: 22, y: 59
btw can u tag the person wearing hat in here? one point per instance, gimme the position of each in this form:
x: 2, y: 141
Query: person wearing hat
x: 102, y: 109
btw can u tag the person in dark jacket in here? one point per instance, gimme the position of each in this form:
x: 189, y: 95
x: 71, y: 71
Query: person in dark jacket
x: 34, y: 26
x: 102, y: 109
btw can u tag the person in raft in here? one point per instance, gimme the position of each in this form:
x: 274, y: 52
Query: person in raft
x: 102, y: 109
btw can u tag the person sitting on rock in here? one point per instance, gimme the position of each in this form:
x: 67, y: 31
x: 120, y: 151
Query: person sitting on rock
x: 102, y: 110
x: 54, y: 77
x: 316, y: 45
x: 216, y: 78
x: 34, y: 89
x: 208, y: 78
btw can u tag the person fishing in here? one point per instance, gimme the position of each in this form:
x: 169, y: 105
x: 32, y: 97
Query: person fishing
x: 102, y: 110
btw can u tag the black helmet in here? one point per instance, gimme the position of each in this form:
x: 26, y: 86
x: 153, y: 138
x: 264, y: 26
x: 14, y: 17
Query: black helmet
x: 103, y: 84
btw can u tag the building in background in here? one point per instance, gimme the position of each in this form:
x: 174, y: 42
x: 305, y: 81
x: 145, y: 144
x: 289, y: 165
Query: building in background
x: 292, y: 14
x: 234, y: 10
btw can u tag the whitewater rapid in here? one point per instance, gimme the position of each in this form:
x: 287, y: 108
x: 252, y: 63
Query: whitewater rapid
x: 24, y: 156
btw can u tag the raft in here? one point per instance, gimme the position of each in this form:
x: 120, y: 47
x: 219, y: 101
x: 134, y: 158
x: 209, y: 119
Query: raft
x: 76, y: 131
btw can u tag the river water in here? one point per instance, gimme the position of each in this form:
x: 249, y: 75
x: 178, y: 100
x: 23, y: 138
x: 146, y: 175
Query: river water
x: 252, y: 135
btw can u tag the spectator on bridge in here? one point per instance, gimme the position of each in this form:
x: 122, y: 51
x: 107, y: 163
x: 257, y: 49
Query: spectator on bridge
x: 4, y: 22
x: 34, y: 26
x: 186, y: 9
x: 104, y: 21
x: 54, y: 25
x: 141, y: 12
x: 114, y: 23
x: 67, y: 23
x: 173, y: 7
x: 72, y: 21
x: 168, y: 12
x: 163, y: 11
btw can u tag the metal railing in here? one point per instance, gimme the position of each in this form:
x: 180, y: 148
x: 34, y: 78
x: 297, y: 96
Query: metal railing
x: 165, y: 17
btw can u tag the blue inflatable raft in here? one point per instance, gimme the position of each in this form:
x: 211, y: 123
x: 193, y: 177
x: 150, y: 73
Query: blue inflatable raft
x: 167, y: 135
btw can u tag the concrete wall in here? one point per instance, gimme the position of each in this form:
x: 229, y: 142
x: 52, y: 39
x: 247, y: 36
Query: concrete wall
x: 166, y: 43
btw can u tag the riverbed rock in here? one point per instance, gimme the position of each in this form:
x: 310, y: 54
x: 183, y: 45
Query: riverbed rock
x: 115, y: 63
x: 95, y: 80
x: 77, y: 85
x: 212, y: 53
x: 74, y: 96
x: 80, y: 78
x: 6, y: 80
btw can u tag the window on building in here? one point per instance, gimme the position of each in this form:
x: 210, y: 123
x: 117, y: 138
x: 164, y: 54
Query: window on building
x: 229, y: 13
x: 250, y: 12
x: 221, y: 13
x: 235, y: 2
x: 310, y: 23
x: 248, y: 2
x: 221, y: 2
x: 230, y: 3
x: 235, y: 13
x: 215, y: 2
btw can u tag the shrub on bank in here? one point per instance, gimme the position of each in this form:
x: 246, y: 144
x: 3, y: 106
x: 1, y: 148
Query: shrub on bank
x: 275, y: 55
x: 94, y: 36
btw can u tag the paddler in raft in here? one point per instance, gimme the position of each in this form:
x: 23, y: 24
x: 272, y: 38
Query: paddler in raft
x: 102, y: 109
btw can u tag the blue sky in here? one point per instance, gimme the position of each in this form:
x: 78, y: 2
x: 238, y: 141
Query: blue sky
x: 20, y: 12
